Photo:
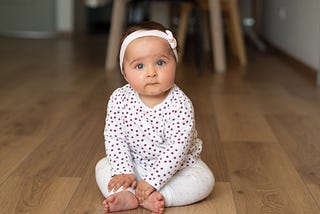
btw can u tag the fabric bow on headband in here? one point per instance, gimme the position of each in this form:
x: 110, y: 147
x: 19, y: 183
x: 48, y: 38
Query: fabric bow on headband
x: 172, y: 41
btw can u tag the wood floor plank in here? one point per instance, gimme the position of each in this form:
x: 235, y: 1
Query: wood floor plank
x: 265, y: 181
x: 88, y: 198
x: 301, y: 145
x: 31, y: 125
x: 283, y: 103
x: 67, y: 150
x: 78, y: 127
x: 239, y: 119
x: 266, y: 68
x: 315, y: 191
x: 36, y: 194
x: 13, y: 150
x: 10, y: 193
x: 212, y: 151
x: 41, y: 112
x: 306, y: 93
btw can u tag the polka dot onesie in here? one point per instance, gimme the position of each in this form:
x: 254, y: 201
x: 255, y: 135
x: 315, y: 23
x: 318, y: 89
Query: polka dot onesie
x: 162, y: 139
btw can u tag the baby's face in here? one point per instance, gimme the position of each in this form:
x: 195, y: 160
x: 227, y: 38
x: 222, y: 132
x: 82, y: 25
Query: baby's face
x: 149, y: 66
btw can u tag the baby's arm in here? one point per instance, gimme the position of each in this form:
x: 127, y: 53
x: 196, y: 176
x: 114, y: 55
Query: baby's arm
x: 122, y: 180
x: 117, y: 149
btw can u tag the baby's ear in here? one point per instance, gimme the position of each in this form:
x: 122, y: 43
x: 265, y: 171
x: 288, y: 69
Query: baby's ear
x: 124, y: 75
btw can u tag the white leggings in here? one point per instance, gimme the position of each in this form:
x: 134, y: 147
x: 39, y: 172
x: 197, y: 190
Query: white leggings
x: 187, y: 186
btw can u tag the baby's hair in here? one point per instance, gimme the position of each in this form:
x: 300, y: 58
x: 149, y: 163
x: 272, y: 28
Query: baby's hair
x: 148, y: 25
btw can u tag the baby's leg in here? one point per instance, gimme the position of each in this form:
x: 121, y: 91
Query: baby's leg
x: 103, y: 175
x: 124, y: 200
x: 120, y: 200
x: 154, y: 203
x: 189, y: 185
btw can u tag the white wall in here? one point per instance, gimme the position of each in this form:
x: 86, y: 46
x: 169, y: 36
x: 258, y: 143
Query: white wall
x: 64, y: 15
x: 27, y: 16
x: 293, y: 26
x: 36, y: 18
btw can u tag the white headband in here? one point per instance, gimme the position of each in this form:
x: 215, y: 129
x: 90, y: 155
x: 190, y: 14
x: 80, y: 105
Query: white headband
x: 141, y: 33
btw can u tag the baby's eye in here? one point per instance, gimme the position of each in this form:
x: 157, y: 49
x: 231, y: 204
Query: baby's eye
x: 160, y: 62
x: 139, y: 66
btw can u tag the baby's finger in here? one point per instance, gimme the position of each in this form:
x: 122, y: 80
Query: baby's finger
x: 134, y: 184
x: 110, y: 186
x: 140, y: 199
x: 126, y: 184
x: 118, y: 185
x: 145, y: 195
x: 139, y: 196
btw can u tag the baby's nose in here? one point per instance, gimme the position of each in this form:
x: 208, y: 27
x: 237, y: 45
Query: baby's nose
x: 152, y: 72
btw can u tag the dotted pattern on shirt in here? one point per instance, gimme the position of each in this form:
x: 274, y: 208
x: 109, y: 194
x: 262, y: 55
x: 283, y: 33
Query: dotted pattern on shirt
x: 162, y: 140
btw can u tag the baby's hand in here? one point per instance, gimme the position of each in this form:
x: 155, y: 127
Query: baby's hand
x: 122, y: 180
x: 143, y: 191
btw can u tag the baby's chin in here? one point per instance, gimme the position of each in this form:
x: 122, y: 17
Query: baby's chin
x: 156, y: 93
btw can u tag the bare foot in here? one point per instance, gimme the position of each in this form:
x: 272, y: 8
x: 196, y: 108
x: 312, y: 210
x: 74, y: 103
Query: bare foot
x: 155, y: 203
x: 123, y: 200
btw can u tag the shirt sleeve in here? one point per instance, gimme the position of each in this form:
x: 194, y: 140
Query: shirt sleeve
x: 179, y: 135
x: 117, y: 149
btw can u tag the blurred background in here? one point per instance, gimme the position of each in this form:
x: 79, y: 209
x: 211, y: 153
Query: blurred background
x: 293, y: 26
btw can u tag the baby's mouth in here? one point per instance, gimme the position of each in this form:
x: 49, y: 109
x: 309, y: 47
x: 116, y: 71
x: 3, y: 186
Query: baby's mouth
x: 152, y: 83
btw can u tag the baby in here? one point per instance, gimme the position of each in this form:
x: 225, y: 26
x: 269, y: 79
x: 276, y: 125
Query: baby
x: 153, y: 153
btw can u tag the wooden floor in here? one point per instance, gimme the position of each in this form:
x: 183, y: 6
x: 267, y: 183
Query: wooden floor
x: 260, y: 126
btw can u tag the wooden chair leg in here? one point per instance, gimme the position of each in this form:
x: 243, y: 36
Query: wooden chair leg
x: 237, y: 32
x: 217, y: 35
x: 230, y: 34
x: 117, y: 21
x: 183, y: 26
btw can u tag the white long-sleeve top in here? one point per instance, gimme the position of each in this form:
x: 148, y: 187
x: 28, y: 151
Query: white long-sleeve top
x: 161, y: 139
